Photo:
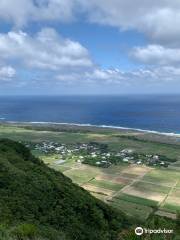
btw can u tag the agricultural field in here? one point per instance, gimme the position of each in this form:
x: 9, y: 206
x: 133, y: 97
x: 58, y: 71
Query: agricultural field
x: 136, y: 190
x: 132, y: 186
x: 164, y: 177
x: 82, y: 174
x: 133, y: 210
x: 116, y: 139
x: 107, y: 184
x: 172, y: 202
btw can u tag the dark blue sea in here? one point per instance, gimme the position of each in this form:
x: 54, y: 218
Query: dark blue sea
x: 156, y: 113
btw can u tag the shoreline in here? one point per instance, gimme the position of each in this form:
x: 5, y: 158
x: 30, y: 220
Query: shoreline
x: 94, y: 125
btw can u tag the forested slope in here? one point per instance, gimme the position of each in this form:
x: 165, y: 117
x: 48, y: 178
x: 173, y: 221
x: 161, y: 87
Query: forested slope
x: 37, y: 202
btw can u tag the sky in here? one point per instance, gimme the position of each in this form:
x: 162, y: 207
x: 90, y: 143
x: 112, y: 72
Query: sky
x: 59, y: 47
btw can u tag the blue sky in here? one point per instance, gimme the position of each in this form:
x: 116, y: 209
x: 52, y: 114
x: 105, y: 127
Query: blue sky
x: 52, y: 47
x: 107, y: 45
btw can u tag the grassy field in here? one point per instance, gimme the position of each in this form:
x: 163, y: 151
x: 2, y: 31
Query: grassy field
x: 178, y: 184
x: 115, y: 141
x: 169, y: 150
x: 136, y: 190
x: 164, y: 177
x: 79, y: 176
x: 106, y: 184
x: 173, y: 201
x: 171, y: 206
x: 138, y: 200
x: 132, y: 209
x: 149, y: 187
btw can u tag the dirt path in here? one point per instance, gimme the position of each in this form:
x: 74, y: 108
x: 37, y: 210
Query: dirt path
x: 161, y: 204
x: 137, y: 179
x: 165, y: 214
x: 144, y: 181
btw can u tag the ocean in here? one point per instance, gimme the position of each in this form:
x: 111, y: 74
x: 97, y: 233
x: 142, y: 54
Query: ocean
x: 155, y: 113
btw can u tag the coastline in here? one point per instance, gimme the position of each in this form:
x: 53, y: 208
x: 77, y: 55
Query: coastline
x: 110, y: 127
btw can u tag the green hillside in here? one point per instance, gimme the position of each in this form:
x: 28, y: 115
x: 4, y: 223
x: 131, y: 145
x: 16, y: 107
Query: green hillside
x: 37, y: 202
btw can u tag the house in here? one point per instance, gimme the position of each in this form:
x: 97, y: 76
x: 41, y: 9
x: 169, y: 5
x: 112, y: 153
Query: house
x: 93, y: 154
x: 61, y: 161
x: 127, y: 151
x: 125, y: 160
x: 139, y: 162
x: 98, y: 163
x: 118, y: 155
x: 156, y: 157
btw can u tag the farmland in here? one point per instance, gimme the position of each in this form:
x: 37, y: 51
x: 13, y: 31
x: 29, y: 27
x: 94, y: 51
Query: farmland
x: 122, y: 168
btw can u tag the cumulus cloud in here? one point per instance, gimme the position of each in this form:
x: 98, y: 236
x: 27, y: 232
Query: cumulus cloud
x: 157, y: 54
x: 46, y: 50
x: 93, y: 76
x: 158, y: 19
x: 155, y: 75
x: 20, y: 12
x: 7, y: 73
x: 145, y: 76
x: 70, y: 61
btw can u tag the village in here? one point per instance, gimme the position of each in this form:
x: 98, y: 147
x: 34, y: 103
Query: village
x: 97, y: 154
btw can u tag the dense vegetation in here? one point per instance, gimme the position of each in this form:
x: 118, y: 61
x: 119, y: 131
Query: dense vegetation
x: 37, y: 202
x: 155, y: 223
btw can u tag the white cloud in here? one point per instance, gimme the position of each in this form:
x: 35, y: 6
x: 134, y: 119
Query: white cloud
x: 104, y: 75
x: 7, y: 73
x: 93, y: 76
x: 46, y: 50
x: 138, y: 77
x: 155, y: 75
x: 19, y: 12
x: 70, y: 61
x: 160, y: 19
x: 157, y: 54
